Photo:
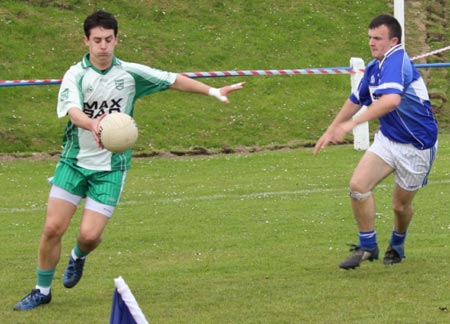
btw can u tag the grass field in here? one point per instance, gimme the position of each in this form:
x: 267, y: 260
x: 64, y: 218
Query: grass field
x: 241, y: 238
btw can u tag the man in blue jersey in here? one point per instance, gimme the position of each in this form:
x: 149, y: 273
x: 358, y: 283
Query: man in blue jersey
x: 98, y: 85
x: 405, y: 145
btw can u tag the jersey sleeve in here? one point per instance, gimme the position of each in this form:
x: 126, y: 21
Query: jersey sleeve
x: 391, y: 77
x: 149, y: 80
x: 361, y: 96
x: 70, y: 94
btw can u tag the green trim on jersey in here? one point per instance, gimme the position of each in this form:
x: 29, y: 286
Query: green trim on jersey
x: 96, y: 93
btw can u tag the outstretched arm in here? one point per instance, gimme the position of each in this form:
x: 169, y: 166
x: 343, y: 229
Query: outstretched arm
x: 343, y: 123
x: 339, y: 127
x: 184, y: 83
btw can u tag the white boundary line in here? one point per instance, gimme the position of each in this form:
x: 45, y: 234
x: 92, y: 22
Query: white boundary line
x: 183, y: 198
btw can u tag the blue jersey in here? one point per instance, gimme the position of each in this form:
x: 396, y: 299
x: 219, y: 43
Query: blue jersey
x: 412, y: 121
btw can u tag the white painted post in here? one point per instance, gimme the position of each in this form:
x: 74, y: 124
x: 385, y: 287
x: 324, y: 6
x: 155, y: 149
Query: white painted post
x: 399, y: 14
x: 361, y: 139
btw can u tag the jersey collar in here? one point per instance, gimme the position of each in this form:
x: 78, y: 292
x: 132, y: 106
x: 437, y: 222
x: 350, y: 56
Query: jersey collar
x: 86, y: 63
x: 389, y: 53
x: 392, y: 50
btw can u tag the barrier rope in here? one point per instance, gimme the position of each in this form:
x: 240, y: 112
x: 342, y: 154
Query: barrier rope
x: 211, y: 74
x: 336, y: 70
x: 430, y: 53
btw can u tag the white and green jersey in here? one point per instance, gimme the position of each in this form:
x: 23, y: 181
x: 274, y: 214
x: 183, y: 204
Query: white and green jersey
x: 96, y: 93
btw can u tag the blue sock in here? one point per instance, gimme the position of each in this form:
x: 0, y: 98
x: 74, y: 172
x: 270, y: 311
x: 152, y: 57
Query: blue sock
x: 368, y: 240
x: 397, y: 238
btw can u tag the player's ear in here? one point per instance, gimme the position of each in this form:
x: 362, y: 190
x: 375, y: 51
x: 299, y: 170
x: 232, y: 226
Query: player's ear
x: 395, y: 40
x: 86, y: 40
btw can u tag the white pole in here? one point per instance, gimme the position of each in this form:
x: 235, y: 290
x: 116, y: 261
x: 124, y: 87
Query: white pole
x: 399, y: 13
x: 361, y: 139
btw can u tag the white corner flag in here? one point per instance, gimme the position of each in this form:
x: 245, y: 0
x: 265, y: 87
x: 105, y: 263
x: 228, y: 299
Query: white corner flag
x: 125, y: 309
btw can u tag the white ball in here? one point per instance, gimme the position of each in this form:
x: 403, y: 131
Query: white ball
x: 118, y: 132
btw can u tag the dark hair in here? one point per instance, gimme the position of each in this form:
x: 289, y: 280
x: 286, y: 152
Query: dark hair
x: 394, y: 27
x: 100, y: 18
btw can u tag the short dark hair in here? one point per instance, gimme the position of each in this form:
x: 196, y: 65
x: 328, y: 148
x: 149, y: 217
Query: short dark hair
x: 100, y: 18
x: 394, y: 27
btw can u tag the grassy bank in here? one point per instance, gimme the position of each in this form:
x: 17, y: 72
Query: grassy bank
x: 43, y: 38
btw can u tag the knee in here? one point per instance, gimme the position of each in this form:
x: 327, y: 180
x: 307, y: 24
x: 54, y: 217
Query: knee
x: 53, y: 230
x: 400, y: 209
x: 357, y: 186
x: 358, y: 192
x: 89, y: 239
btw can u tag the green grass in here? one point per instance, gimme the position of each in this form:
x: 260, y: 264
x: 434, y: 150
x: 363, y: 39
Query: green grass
x: 203, y: 35
x: 228, y: 238
x: 241, y: 238
x: 188, y: 36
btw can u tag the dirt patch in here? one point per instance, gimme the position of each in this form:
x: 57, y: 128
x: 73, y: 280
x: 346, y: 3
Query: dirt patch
x: 30, y: 156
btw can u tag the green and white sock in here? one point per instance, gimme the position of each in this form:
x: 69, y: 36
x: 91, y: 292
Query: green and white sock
x: 78, y: 253
x: 44, y: 290
x: 44, y: 280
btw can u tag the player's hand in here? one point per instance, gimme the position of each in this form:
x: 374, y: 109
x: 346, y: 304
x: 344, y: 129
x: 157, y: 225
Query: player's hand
x: 334, y: 135
x: 323, y: 142
x: 96, y: 131
x: 339, y: 132
x: 222, y: 93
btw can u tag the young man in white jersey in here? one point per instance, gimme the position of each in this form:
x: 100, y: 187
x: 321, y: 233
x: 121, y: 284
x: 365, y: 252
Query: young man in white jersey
x: 98, y: 85
x: 405, y: 144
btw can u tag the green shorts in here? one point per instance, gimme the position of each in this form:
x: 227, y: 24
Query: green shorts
x: 102, y: 186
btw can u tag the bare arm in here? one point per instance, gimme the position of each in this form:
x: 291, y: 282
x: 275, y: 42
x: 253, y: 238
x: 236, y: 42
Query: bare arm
x: 343, y: 122
x: 184, y: 83
x: 346, y: 113
x: 80, y: 119
x: 379, y: 108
